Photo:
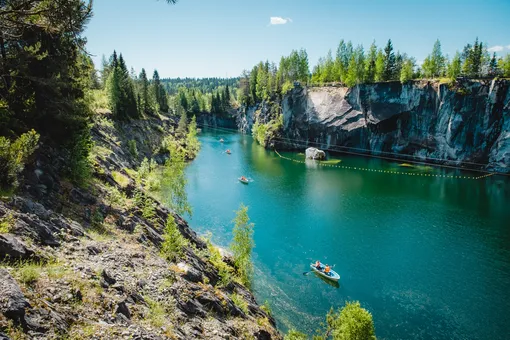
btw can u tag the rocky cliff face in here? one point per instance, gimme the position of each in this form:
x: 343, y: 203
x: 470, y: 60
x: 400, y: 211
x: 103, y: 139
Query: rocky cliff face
x: 465, y: 125
x: 85, y: 263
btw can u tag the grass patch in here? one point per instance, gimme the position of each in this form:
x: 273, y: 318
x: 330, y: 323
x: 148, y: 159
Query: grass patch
x: 15, y: 332
x: 156, y: 315
x: 6, y: 223
x: 28, y: 272
x: 121, y: 179
x: 240, y: 302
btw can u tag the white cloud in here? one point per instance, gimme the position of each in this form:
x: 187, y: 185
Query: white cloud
x: 279, y: 20
x: 496, y: 48
x: 508, y: 46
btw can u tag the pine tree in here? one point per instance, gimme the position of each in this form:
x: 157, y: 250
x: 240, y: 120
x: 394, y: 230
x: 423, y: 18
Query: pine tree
x: 159, y: 92
x: 120, y: 89
x: 146, y: 106
x: 370, y: 64
x: 183, y: 123
x: 493, y: 66
x: 389, y: 62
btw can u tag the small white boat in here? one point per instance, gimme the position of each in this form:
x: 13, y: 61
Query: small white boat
x: 228, y: 152
x: 221, y: 140
x: 332, y: 275
x: 243, y: 180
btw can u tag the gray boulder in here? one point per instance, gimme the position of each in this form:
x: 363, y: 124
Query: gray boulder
x: 13, y: 249
x: 314, y: 153
x: 12, y: 300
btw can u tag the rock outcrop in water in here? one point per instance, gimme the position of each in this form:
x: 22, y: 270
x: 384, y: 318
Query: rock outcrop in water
x: 466, y: 124
x: 314, y: 153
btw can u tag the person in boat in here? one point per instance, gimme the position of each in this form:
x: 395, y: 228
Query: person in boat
x: 228, y: 150
x: 327, y: 270
x: 318, y: 264
x: 243, y: 178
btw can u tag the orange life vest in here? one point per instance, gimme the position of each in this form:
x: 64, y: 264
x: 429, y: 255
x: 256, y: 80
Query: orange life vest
x: 327, y: 269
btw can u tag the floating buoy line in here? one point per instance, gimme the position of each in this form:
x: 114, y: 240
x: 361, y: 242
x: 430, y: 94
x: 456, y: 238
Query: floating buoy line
x: 382, y: 171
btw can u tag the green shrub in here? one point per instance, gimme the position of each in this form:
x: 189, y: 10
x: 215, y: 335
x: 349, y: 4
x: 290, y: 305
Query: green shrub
x: 144, y: 169
x: 28, y: 272
x: 243, y: 244
x: 287, y: 86
x: 13, y: 156
x: 116, y: 198
x: 295, y: 335
x: 192, y: 143
x: 174, y: 242
x: 6, y: 223
x: 240, y: 302
x: 132, y: 148
x: 263, y: 133
x: 224, y: 270
x: 156, y: 315
x: 145, y: 203
x: 350, y: 322
x: 266, y: 308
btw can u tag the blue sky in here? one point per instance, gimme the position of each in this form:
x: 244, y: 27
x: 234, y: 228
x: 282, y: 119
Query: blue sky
x: 200, y: 38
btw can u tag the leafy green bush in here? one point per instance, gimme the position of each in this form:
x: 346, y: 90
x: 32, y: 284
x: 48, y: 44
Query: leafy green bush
x: 242, y: 245
x: 13, y: 156
x: 350, y: 322
x: 295, y: 335
x: 263, y: 133
x: 174, y: 242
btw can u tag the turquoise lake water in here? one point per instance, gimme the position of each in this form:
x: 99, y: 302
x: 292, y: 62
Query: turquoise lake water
x: 429, y: 257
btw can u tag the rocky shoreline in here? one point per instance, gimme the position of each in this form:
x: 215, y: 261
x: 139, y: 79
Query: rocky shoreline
x: 84, y: 263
